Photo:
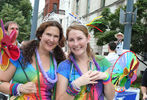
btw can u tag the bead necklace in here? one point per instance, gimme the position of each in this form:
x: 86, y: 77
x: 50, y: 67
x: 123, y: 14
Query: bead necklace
x: 79, y: 71
x: 77, y: 67
x: 42, y: 70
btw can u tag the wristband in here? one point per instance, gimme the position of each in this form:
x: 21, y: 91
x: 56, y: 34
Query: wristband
x: 15, y: 89
x: 107, y: 79
x: 72, y: 89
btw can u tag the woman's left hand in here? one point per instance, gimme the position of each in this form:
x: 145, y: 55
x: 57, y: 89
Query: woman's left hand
x: 97, y: 75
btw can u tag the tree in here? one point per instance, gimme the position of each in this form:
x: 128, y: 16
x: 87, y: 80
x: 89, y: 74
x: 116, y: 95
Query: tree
x: 19, y: 11
x: 22, y: 5
x: 111, y: 21
x: 9, y: 13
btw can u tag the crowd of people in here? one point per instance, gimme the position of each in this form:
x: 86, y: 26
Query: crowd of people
x: 44, y: 72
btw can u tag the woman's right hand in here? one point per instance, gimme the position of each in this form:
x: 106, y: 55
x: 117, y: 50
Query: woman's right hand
x: 28, y: 88
x: 84, y: 80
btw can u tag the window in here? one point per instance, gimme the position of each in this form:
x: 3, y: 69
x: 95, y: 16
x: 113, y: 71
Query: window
x: 88, y: 6
x: 102, y: 3
x: 55, y: 7
x: 60, y: 21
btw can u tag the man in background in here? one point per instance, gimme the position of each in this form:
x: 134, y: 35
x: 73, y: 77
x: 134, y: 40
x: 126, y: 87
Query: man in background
x: 119, y: 48
x: 112, y: 56
x: 9, y: 27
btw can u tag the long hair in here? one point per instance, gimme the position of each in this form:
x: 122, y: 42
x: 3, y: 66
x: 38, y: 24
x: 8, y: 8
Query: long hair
x: 85, y: 31
x: 29, y: 48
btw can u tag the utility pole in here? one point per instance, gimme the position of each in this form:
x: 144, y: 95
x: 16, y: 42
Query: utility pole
x: 128, y: 18
x: 34, y: 19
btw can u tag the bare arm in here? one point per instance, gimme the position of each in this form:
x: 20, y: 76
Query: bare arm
x: 144, y: 92
x: 109, y: 91
x: 5, y: 77
x: 62, y: 85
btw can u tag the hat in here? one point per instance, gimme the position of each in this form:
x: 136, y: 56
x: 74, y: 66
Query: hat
x: 116, y: 35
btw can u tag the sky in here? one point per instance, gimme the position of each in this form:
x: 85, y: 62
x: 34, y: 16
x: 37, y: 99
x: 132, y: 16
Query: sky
x: 41, y: 4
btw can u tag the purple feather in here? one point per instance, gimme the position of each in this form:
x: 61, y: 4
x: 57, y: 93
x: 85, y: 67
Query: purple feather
x: 2, y: 25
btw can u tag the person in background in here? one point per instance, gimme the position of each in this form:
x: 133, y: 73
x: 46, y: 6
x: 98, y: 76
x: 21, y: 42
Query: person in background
x: 83, y: 76
x: 34, y: 73
x: 112, y: 56
x: 9, y: 27
x: 119, y: 48
x: 144, y: 85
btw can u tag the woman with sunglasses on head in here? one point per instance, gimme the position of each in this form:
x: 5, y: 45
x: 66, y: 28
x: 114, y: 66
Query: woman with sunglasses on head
x: 34, y: 73
x: 83, y: 76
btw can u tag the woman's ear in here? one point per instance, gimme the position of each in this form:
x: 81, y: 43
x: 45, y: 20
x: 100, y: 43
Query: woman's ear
x: 40, y: 37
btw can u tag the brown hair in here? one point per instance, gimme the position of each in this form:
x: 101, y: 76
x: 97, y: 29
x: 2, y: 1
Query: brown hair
x: 8, y: 23
x: 85, y: 31
x: 29, y: 49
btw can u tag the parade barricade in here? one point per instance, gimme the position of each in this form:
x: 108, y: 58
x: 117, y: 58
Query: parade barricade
x: 130, y: 94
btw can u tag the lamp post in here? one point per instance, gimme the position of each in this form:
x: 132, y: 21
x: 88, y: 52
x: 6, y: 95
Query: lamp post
x: 128, y: 18
x: 34, y: 19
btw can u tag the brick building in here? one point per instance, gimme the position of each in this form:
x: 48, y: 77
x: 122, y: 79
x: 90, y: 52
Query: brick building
x: 51, y: 6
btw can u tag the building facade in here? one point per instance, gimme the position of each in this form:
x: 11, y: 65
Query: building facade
x: 51, y: 6
x: 89, y: 9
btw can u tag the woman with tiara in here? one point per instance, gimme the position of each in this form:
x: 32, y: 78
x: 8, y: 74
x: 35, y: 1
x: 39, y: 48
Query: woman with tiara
x: 34, y: 73
x: 84, y: 76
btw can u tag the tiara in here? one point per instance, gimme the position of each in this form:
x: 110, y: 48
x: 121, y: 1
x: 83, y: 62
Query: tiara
x: 51, y: 16
x: 74, y: 19
x: 82, y: 21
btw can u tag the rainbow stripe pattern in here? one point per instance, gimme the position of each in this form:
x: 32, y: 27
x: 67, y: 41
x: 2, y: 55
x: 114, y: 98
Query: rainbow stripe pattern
x: 45, y: 86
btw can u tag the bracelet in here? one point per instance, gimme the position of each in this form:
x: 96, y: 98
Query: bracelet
x: 72, y: 89
x: 18, y: 90
x: 74, y: 86
x: 15, y: 89
x: 11, y: 88
x: 107, y: 79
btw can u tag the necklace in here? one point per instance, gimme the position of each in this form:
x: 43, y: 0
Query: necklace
x: 42, y: 70
x: 78, y: 69
x: 89, y: 85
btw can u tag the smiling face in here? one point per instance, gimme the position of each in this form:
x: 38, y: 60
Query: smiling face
x: 49, y: 38
x: 77, y: 42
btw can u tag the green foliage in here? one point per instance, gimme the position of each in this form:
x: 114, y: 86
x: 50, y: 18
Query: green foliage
x: 139, y: 31
x: 111, y: 21
x: 106, y: 37
x: 20, y: 12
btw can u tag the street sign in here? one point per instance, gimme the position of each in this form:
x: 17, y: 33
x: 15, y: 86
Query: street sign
x: 122, y: 17
x: 134, y: 16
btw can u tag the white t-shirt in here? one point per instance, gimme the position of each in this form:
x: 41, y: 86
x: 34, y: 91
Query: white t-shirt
x: 112, y: 57
x: 119, y: 48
